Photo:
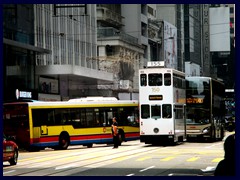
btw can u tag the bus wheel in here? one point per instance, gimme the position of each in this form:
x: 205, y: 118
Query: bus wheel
x: 64, y: 141
x: 89, y: 145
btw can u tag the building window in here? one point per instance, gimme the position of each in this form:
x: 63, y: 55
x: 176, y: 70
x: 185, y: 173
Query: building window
x: 150, y: 11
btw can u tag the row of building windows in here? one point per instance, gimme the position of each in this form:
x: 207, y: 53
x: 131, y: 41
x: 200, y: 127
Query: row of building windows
x: 159, y: 79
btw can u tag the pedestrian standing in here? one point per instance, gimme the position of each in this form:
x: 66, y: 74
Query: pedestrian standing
x: 115, y: 133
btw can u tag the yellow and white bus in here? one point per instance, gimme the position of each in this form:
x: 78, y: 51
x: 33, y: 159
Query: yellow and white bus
x: 37, y: 125
x: 162, y: 105
x: 205, y: 108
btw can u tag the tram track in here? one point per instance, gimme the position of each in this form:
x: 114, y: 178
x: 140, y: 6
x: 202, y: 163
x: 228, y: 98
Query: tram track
x: 78, y: 160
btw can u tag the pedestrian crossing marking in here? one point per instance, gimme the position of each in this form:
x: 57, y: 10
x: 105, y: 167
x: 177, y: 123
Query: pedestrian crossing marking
x: 192, y: 159
x: 143, y: 158
x: 217, y: 160
x: 168, y: 158
x: 120, y: 159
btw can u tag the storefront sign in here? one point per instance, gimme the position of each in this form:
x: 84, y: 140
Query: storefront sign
x: 23, y: 94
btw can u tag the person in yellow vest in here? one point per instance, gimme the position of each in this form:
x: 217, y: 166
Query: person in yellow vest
x: 115, y: 133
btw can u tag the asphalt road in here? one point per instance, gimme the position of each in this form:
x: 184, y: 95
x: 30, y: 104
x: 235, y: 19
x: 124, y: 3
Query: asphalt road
x: 131, y: 159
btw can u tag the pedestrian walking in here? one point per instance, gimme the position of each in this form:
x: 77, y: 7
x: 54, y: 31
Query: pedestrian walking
x: 115, y: 133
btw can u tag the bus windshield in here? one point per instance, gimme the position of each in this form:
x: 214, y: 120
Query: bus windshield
x: 16, y: 122
x: 15, y: 117
x: 198, y: 101
x: 197, y: 116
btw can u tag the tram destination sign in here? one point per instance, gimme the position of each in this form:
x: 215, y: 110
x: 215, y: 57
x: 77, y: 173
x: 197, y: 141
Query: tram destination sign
x: 195, y: 100
x: 155, y: 97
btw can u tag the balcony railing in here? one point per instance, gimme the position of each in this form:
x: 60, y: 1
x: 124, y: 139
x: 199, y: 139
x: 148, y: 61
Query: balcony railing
x: 112, y: 32
x: 104, y: 14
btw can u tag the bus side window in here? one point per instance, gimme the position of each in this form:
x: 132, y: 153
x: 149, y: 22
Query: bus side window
x: 51, y: 117
x: 39, y: 117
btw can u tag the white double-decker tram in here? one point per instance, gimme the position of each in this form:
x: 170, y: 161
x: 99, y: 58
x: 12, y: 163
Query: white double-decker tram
x: 162, y: 104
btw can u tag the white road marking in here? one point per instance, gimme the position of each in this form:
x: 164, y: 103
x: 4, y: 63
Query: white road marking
x: 209, y: 168
x: 130, y: 175
x: 208, y: 147
x: 66, y: 166
x: 39, y: 165
x: 8, y: 172
x: 147, y: 168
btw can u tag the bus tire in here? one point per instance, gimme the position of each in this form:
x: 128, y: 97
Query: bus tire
x: 90, y: 145
x: 64, y: 141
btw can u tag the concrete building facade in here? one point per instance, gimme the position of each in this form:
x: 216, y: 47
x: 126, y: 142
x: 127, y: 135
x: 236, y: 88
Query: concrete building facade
x: 63, y: 51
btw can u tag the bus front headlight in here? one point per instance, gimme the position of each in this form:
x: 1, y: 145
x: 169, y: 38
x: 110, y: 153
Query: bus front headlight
x: 206, y: 130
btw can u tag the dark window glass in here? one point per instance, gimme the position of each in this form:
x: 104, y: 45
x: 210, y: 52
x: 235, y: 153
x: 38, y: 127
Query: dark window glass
x: 178, y: 113
x: 167, y: 79
x: 156, y: 111
x: 143, y: 79
x: 155, y: 79
x: 167, y: 110
x: 145, y: 112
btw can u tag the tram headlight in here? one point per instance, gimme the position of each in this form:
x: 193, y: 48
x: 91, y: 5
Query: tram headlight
x: 206, y: 130
x: 156, y: 130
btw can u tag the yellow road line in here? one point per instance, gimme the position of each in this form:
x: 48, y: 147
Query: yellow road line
x: 168, y: 158
x: 192, y: 159
x: 120, y: 159
x: 143, y: 158
x: 217, y: 160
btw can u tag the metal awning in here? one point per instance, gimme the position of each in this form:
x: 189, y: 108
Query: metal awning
x: 26, y: 46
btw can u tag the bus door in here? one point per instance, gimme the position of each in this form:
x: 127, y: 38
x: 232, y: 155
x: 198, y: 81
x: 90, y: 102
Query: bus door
x: 179, y: 121
x: 218, y: 128
x: 49, y: 118
x: 40, y: 118
x: 107, y: 117
x: 178, y: 118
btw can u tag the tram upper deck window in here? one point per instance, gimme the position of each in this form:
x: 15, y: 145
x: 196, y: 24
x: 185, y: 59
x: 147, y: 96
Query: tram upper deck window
x: 143, y: 80
x: 155, y: 79
x: 167, y: 79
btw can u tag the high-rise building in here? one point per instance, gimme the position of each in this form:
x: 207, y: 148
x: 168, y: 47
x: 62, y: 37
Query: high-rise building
x: 19, y: 50
x: 50, y: 49
x: 223, y: 61
x: 62, y: 51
